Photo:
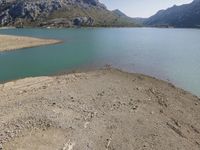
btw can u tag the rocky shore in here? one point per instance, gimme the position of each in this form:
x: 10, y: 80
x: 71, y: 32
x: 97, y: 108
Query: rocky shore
x: 8, y: 42
x: 105, y: 109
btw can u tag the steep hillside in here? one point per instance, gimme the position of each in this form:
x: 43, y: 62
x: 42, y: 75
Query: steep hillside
x: 187, y: 15
x: 58, y: 13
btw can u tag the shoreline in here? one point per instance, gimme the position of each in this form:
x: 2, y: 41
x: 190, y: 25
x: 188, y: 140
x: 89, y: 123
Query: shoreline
x: 12, y: 42
x: 124, y: 110
x: 109, y: 67
x: 82, y: 27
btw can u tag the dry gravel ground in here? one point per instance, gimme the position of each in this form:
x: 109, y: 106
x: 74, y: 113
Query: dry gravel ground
x: 8, y: 42
x: 98, y: 110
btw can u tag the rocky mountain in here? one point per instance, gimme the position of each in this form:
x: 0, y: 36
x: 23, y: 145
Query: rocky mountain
x: 187, y: 15
x: 58, y: 13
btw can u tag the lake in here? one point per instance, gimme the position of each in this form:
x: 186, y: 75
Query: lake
x: 168, y: 54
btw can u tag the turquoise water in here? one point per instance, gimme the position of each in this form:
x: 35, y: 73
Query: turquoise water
x: 169, y: 54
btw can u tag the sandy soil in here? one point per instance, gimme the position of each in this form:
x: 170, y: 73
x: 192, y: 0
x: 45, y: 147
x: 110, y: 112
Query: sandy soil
x: 99, y: 110
x: 8, y: 42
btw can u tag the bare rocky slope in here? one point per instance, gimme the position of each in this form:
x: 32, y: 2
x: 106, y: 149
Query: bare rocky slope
x: 97, y: 110
x: 58, y: 13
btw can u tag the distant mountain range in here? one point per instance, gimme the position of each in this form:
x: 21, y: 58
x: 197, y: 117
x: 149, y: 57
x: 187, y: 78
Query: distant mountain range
x: 69, y: 13
x: 59, y: 13
x: 138, y: 21
x: 184, y: 16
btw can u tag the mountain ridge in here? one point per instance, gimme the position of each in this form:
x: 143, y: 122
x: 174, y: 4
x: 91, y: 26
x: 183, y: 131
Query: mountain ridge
x: 183, y: 16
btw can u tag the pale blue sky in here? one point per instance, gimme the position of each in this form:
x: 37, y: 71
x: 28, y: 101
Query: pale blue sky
x: 141, y: 8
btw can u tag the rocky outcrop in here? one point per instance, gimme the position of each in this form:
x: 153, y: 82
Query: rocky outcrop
x: 79, y: 21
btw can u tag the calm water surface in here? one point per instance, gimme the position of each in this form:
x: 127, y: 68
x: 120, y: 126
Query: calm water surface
x: 169, y: 54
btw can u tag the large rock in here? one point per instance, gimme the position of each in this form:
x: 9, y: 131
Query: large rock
x: 80, y: 21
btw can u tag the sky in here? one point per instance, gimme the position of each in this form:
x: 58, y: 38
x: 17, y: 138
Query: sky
x: 141, y: 8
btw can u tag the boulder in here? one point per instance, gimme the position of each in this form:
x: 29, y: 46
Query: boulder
x: 83, y: 21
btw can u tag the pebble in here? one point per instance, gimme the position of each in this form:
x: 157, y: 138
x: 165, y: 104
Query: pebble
x: 146, y: 145
x: 44, y: 86
x: 86, y: 124
x: 1, y: 147
x: 135, y: 107
x: 152, y: 113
